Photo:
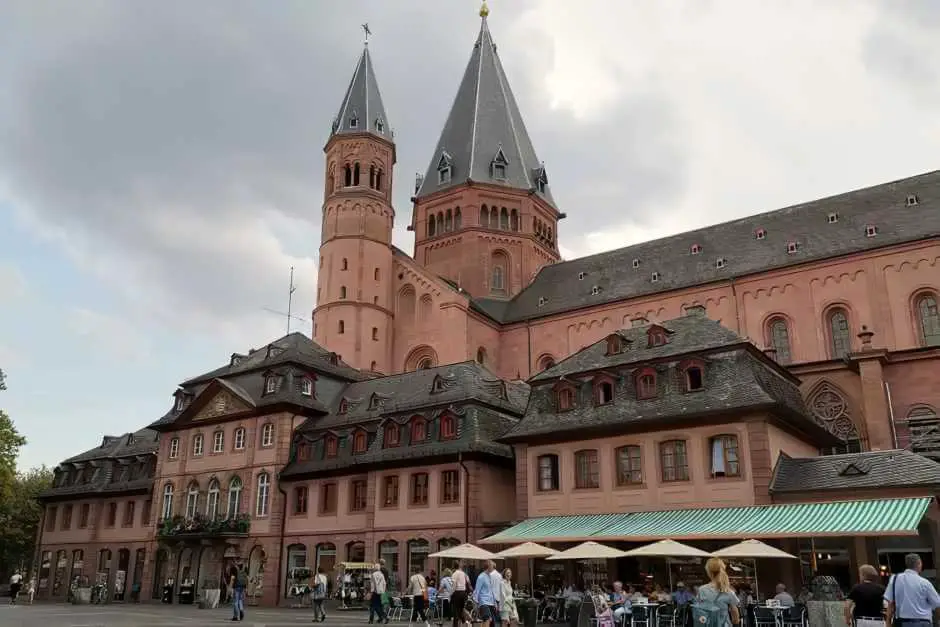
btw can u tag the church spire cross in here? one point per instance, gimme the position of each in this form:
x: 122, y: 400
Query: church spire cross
x: 367, y: 31
x: 484, y: 10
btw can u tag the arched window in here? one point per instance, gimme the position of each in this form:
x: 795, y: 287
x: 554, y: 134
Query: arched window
x: 419, y: 429
x: 693, y: 375
x: 167, y: 501
x: 603, y: 392
x: 378, y: 180
x: 546, y: 362
x: 331, y: 445
x: 494, y: 218
x: 375, y: 274
x: 331, y: 180
x: 239, y: 438
x: 564, y: 398
x: 356, y: 174
x: 347, y: 176
x: 514, y: 220
x: 392, y: 434
x: 431, y: 226
x: 449, y: 221
x: 448, y: 427
x: 212, y: 500
x: 629, y: 465
x: 457, y: 219
x: 418, y: 556
x: 360, y: 442
x: 498, y: 285
x: 342, y: 292
x: 484, y: 216
x: 372, y: 176
x: 192, y: 500
x: 778, y: 336
x: 234, y: 497
x: 548, y: 475
x: 928, y: 319
x: 341, y: 328
x: 504, y: 219
x: 840, y: 344
x: 614, y: 344
x: 425, y: 363
x: 481, y: 355
x: 440, y: 222
x: 261, y: 502
x: 586, y: 470
x: 303, y: 451
x: 345, y: 264
x: 646, y: 383
x: 724, y: 451
x: 674, y: 461
x: 831, y: 409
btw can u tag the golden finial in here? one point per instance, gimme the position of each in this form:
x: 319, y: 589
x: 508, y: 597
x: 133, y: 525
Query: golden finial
x: 484, y: 10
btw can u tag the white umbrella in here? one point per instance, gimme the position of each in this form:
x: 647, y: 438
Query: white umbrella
x: 466, y: 552
x: 752, y: 549
x: 529, y: 549
x: 667, y: 548
x: 589, y: 551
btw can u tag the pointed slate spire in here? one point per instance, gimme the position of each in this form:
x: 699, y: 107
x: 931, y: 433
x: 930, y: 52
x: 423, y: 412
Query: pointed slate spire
x: 362, y: 109
x: 484, y: 138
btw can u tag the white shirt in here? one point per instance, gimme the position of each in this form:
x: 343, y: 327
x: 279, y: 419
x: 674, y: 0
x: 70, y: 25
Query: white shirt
x: 16, y: 578
x: 460, y: 580
x: 497, y: 580
x: 418, y: 584
x: 378, y: 582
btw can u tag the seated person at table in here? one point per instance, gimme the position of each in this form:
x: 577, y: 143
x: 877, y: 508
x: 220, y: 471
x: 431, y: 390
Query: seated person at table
x: 659, y: 595
x: 682, y: 596
x: 783, y: 597
x: 634, y: 594
x: 619, y: 602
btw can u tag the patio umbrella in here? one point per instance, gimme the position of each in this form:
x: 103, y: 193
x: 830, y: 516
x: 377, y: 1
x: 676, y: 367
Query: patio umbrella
x: 752, y: 549
x: 589, y: 551
x: 529, y: 550
x: 466, y: 552
x: 667, y: 549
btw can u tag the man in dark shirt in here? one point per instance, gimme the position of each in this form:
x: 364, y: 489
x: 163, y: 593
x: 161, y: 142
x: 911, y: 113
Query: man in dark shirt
x: 238, y: 578
x: 866, y: 599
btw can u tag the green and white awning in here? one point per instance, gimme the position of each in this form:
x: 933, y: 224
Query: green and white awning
x: 791, y: 520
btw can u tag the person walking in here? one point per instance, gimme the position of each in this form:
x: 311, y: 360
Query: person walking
x: 444, y: 592
x: 238, y: 579
x: 716, y: 605
x: 911, y: 598
x: 418, y: 587
x: 458, y: 598
x: 498, y: 593
x: 864, y: 606
x: 320, y: 587
x: 16, y: 582
x: 377, y: 600
x: 509, y: 615
x: 484, y: 596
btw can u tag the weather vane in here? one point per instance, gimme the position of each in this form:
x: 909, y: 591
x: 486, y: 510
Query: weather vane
x: 365, y: 29
x: 484, y: 10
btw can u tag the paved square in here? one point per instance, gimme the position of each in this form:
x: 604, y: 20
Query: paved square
x: 147, y: 615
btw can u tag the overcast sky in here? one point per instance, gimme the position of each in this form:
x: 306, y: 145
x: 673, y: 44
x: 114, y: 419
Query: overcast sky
x: 161, y: 162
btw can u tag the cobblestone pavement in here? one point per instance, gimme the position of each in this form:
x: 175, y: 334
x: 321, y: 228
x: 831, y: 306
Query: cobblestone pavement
x: 155, y: 615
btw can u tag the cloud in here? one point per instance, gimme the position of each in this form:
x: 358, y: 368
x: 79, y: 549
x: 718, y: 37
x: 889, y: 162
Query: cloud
x: 12, y: 284
x: 119, y: 337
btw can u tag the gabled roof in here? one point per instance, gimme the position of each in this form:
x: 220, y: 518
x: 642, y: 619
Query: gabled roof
x: 362, y: 109
x: 855, y: 471
x: 902, y: 211
x: 483, y: 120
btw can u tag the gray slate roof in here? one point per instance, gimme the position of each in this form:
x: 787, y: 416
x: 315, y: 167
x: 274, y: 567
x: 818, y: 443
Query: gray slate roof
x: 738, y: 377
x: 483, y: 120
x: 855, y: 471
x: 882, y: 206
x: 362, y: 105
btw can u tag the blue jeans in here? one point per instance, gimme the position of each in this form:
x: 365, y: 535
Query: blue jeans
x: 238, y: 602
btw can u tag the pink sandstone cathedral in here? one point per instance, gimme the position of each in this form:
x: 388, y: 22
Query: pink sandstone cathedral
x: 773, y: 377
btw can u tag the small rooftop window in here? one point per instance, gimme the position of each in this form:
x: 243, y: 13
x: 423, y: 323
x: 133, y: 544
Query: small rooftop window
x: 654, y: 277
x: 760, y: 233
x: 542, y: 300
x: 595, y: 290
x: 443, y: 175
x: 354, y: 122
x: 720, y: 263
x: 636, y: 263
x: 580, y: 276
x: 792, y: 247
x: 912, y: 200
x: 833, y: 218
x: 379, y: 125
x: 871, y: 230
x: 696, y: 249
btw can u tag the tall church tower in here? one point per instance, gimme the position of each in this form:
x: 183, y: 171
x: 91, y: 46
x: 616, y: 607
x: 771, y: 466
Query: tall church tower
x: 484, y: 216
x: 354, y: 312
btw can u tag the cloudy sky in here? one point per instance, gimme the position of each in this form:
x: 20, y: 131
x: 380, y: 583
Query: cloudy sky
x: 161, y: 162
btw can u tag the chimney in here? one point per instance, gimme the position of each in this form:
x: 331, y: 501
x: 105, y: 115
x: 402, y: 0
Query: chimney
x: 865, y: 336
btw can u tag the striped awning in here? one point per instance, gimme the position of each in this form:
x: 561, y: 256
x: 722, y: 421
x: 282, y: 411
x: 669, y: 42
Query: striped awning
x: 791, y: 520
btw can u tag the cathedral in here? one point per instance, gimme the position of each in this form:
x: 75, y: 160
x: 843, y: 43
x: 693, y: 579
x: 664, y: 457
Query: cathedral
x: 771, y: 377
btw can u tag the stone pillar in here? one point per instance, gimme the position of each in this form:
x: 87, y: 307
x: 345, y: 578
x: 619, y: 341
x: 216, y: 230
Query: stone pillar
x: 874, y: 400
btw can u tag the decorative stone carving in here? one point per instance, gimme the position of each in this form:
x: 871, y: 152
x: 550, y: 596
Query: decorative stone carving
x: 223, y: 403
x: 831, y: 409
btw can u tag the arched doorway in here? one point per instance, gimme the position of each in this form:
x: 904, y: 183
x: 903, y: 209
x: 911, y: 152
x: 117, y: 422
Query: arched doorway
x: 120, y: 577
x: 139, y: 558
x: 159, y: 573
x: 59, y: 582
x: 103, y: 574
x: 356, y: 551
x: 76, y: 574
x: 256, y: 561
x: 296, y: 558
x: 326, y: 557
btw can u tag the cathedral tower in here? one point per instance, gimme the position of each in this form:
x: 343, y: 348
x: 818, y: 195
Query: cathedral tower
x: 484, y: 216
x: 354, y: 315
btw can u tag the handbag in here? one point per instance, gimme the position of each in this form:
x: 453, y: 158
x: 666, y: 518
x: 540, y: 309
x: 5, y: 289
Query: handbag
x: 895, y: 619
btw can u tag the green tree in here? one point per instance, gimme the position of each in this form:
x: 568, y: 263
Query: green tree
x: 20, y: 516
x: 10, y: 443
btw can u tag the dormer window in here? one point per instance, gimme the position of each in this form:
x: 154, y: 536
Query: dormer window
x: 792, y: 247
x: 343, y: 406
x: 580, y: 276
x: 448, y: 427
x: 498, y: 164
x: 695, y: 310
x: 444, y: 168
x: 614, y: 344
x: 541, y: 179
x: 595, y: 290
x: 693, y: 374
x: 696, y: 249
x: 375, y: 402
x: 331, y: 445
x: 720, y: 263
x: 654, y: 277
x: 564, y: 398
x: 270, y: 385
x: 354, y: 120
x: 419, y: 429
x: 656, y: 336
x: 306, y: 386
x: 603, y: 391
x: 636, y: 264
x: 379, y: 125
x: 542, y: 301
x: 303, y: 451
x: 760, y: 234
x: 912, y: 200
x: 392, y: 434
x: 871, y: 230
x: 646, y: 383
x: 360, y: 442
x: 179, y: 402
x: 832, y: 218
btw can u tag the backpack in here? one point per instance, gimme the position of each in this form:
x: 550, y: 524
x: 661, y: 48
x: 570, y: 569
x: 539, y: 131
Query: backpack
x: 241, y: 578
x: 705, y: 611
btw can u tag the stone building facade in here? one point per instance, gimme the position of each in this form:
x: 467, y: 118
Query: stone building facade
x: 399, y: 427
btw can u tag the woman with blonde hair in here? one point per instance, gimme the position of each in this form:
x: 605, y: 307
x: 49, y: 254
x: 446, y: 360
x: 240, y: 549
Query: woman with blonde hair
x: 716, y: 604
x: 507, y: 610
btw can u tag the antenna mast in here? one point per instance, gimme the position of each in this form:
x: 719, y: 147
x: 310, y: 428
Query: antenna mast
x: 290, y: 298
